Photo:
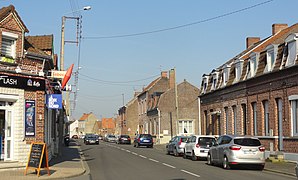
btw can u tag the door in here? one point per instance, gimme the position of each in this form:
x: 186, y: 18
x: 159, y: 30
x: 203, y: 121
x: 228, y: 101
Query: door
x: 2, y: 133
x: 8, y: 148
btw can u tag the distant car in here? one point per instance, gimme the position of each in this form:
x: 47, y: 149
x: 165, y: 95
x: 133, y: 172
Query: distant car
x: 231, y: 150
x: 75, y: 136
x: 91, y: 139
x: 176, y: 145
x: 197, y: 146
x: 111, y: 138
x: 123, y: 139
x: 143, y: 140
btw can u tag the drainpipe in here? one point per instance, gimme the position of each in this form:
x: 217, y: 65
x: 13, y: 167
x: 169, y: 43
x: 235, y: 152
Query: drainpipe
x: 158, y: 125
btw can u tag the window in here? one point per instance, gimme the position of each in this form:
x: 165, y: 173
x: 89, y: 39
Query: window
x: 238, y: 69
x: 227, y: 119
x: 266, y: 117
x: 292, y: 49
x: 206, y: 121
x: 271, y: 56
x: 214, y: 80
x: 235, y: 119
x: 226, y: 71
x: 8, y: 45
x: 294, y: 116
x: 253, y: 64
x: 254, y: 116
x: 244, y: 118
x: 185, y: 127
x: 205, y: 82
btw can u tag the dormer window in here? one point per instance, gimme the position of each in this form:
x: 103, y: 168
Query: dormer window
x: 291, y: 41
x: 270, y: 57
x: 214, y: 80
x: 8, y: 47
x: 253, y: 63
x: 238, y: 69
x: 205, y: 83
x: 226, y: 71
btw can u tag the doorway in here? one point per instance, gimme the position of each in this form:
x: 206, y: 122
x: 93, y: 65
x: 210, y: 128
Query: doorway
x: 2, y: 134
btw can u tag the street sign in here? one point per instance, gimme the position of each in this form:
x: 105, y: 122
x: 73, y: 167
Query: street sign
x: 58, y: 74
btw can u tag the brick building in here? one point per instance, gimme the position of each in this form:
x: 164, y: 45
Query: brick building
x: 256, y: 92
x: 174, y: 112
x: 24, y: 62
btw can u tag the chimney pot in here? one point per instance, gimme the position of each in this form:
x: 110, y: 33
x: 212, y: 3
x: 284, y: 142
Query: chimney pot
x: 164, y: 74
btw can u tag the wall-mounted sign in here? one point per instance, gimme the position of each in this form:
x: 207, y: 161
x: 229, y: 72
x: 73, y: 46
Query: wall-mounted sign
x: 21, y: 82
x: 58, y: 74
x: 29, y: 118
x: 54, y: 101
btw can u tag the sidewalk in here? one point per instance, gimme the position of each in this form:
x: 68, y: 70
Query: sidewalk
x: 71, y: 164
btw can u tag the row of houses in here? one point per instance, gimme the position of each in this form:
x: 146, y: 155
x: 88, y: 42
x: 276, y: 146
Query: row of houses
x: 26, y: 63
x: 254, y: 93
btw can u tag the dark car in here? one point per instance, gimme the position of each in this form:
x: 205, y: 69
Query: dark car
x: 91, y: 139
x: 123, y: 139
x: 75, y: 136
x: 143, y: 140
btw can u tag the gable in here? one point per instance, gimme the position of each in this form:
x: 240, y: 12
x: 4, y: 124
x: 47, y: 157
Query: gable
x: 10, y: 20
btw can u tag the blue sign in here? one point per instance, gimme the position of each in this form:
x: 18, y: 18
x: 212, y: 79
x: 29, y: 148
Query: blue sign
x: 54, y: 101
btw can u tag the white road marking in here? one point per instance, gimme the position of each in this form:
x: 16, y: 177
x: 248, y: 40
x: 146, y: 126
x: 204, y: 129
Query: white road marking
x: 127, y: 150
x: 153, y: 160
x: 134, y: 153
x: 190, y: 173
x: 122, y: 149
x: 143, y: 156
x: 169, y: 165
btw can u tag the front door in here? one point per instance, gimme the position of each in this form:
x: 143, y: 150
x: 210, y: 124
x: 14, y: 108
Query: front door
x: 6, y: 134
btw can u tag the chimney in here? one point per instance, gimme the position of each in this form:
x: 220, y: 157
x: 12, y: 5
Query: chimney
x: 251, y: 40
x: 164, y: 74
x: 278, y: 27
x: 172, y: 78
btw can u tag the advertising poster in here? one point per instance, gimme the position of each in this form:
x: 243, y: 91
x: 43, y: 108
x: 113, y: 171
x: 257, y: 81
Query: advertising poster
x: 29, y: 118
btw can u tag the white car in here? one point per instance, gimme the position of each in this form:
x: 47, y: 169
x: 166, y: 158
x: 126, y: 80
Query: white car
x: 197, y: 146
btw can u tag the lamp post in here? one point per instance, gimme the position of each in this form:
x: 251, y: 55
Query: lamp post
x: 61, y: 112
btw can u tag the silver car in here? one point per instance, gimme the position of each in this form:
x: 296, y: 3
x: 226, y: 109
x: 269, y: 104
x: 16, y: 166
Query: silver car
x: 231, y: 150
x: 176, y: 145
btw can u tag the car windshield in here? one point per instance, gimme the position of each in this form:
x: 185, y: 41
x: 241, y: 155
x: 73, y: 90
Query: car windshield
x: 183, y: 139
x: 111, y: 136
x: 204, y: 141
x: 247, y: 142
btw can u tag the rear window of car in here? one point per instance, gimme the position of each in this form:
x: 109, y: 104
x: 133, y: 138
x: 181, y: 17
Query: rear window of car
x: 203, y: 141
x: 146, y: 136
x: 247, y: 142
x: 125, y: 136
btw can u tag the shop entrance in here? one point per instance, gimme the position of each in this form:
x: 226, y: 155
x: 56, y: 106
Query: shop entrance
x: 6, y: 134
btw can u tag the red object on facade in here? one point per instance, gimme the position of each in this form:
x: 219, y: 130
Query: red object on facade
x: 67, y: 76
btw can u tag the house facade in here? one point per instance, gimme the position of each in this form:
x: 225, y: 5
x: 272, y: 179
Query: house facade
x: 174, y: 112
x: 159, y: 85
x: 86, y: 123
x: 256, y: 92
x: 24, y: 64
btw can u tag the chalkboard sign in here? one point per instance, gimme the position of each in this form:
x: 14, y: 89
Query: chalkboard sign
x: 38, y: 157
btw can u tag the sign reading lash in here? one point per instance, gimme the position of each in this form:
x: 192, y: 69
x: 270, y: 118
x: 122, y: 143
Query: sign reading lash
x: 27, y: 83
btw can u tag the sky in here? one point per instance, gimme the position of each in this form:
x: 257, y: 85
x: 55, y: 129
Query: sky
x: 126, y: 44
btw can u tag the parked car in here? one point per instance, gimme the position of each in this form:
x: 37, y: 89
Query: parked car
x: 197, y: 146
x: 110, y: 138
x: 143, y: 140
x: 123, y: 139
x: 176, y: 145
x: 91, y: 139
x: 100, y: 137
x: 231, y: 150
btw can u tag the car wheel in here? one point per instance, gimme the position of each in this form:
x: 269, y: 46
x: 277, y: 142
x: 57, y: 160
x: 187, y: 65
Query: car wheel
x: 175, y: 152
x: 225, y: 163
x: 137, y: 145
x: 193, y: 156
x: 184, y: 155
x: 209, y: 161
x: 261, y: 167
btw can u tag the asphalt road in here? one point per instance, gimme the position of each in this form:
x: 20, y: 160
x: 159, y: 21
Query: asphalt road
x: 110, y: 161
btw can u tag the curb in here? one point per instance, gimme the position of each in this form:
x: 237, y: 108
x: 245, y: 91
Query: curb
x: 280, y: 172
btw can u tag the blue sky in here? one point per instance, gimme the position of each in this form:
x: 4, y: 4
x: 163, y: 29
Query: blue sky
x: 134, y: 61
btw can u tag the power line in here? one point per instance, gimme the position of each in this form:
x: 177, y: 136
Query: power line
x: 180, y: 26
x: 119, y: 82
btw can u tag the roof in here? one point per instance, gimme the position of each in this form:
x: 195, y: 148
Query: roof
x: 84, y: 117
x: 44, y: 42
x: 5, y: 11
x: 149, y: 86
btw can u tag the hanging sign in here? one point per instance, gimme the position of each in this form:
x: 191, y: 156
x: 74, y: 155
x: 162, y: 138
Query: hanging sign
x: 38, y: 158
x: 27, y: 83
x: 54, y: 101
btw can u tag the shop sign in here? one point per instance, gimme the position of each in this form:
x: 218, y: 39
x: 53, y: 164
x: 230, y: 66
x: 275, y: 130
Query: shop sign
x: 54, y: 101
x: 29, y: 118
x: 25, y: 83
x: 58, y: 74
